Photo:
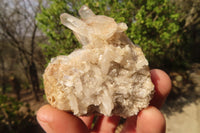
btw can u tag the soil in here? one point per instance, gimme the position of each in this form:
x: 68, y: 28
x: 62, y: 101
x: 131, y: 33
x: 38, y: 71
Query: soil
x: 187, y: 121
x: 182, y: 107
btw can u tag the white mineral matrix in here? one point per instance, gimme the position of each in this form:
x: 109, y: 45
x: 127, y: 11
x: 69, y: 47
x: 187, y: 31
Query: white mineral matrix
x: 109, y: 75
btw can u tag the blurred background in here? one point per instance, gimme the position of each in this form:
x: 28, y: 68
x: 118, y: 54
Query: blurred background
x: 31, y: 34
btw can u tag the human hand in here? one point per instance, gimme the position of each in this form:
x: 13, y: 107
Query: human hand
x: 148, y: 120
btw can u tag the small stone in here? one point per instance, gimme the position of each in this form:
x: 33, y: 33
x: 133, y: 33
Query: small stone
x: 109, y: 75
x: 179, y: 78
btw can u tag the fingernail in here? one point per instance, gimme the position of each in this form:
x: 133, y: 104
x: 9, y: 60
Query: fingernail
x: 44, y: 122
x: 46, y: 126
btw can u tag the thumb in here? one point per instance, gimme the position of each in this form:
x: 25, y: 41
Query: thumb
x: 150, y: 120
x: 57, y: 121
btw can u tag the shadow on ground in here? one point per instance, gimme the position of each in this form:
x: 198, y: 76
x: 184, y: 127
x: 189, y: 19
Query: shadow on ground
x: 185, y: 90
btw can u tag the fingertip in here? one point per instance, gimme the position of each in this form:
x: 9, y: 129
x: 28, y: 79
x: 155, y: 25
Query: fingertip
x: 40, y: 114
x: 161, y: 80
x: 150, y: 120
x: 53, y: 120
x: 162, y: 84
x: 43, y: 119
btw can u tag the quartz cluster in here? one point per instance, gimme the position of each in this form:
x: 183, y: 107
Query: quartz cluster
x: 109, y: 75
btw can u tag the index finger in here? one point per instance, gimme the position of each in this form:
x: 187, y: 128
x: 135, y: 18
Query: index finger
x: 162, y: 84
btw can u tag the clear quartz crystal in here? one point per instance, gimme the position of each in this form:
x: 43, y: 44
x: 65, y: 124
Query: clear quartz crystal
x: 108, y: 75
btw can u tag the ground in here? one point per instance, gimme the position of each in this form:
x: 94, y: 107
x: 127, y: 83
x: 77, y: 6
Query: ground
x: 182, y: 107
x: 186, y: 121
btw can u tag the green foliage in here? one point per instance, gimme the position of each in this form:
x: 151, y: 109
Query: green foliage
x: 153, y: 25
x: 11, y: 119
x: 61, y: 39
x: 155, y: 29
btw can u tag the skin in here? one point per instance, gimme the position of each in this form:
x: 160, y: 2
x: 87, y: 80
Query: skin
x: 148, y: 120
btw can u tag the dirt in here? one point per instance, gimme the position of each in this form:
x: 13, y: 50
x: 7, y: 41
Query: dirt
x: 182, y: 107
x: 187, y: 121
